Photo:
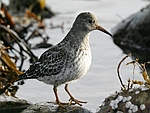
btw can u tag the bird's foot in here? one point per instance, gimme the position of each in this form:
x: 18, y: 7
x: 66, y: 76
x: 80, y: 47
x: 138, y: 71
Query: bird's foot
x: 74, y: 101
x: 62, y: 104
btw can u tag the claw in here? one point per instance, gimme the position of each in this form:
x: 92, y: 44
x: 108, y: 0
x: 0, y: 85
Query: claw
x: 61, y: 104
x: 76, y: 101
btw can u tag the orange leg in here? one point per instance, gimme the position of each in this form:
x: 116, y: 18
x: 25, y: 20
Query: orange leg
x: 72, y: 98
x: 57, y: 98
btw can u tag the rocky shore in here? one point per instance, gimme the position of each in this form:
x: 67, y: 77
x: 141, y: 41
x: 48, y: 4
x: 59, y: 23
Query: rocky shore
x: 135, y: 100
x: 132, y: 35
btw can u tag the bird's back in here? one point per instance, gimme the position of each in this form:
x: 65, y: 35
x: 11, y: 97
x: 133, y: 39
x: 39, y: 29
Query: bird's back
x: 50, y: 63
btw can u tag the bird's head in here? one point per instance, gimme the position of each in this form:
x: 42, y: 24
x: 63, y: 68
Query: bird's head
x: 88, y: 22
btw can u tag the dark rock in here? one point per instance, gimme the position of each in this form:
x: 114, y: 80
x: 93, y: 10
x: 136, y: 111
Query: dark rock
x: 9, y: 104
x: 135, y: 100
x: 50, y: 107
x: 133, y: 34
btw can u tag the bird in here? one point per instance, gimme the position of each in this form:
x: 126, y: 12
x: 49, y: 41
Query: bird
x: 68, y: 60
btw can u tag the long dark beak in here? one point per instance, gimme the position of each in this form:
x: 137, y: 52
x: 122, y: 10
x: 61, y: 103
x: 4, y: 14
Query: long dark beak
x: 98, y: 27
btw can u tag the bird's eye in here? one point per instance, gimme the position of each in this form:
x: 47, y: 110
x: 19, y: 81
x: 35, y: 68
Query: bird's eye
x: 91, y: 21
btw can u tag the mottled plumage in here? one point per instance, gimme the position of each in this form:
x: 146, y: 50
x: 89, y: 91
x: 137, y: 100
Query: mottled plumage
x: 68, y: 60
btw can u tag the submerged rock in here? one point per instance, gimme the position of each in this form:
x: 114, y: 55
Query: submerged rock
x: 9, y: 104
x: 133, y: 34
x: 50, y: 107
x: 135, y: 100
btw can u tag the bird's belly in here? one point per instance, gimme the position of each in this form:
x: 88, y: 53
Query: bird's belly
x: 83, y: 65
x: 73, y: 70
x: 78, y: 67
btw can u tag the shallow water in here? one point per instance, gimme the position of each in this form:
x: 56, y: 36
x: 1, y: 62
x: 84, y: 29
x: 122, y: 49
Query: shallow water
x: 101, y: 79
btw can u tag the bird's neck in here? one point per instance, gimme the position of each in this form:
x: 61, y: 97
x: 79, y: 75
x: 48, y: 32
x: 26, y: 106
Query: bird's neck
x: 80, y: 38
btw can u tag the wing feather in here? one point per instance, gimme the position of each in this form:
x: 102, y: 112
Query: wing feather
x: 50, y: 63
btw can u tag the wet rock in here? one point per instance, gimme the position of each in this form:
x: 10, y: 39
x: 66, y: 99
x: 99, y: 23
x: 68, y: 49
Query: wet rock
x: 135, y: 100
x: 133, y: 34
x: 50, y: 107
x: 9, y: 104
